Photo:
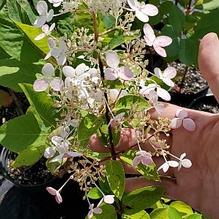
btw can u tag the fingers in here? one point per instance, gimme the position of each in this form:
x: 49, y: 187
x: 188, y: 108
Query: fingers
x: 209, y: 61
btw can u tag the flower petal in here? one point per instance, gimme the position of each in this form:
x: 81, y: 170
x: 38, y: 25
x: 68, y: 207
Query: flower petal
x: 158, y: 72
x: 42, y: 7
x: 48, y: 70
x: 164, y: 167
x: 110, y: 74
x: 176, y: 123
x: 57, y: 84
x: 50, y: 15
x: 189, y: 124
x: 150, y: 9
x: 49, y: 152
x: 97, y: 210
x: 181, y: 113
x: 112, y: 59
x: 168, y: 82
x: 40, y: 85
x: 163, y: 94
x: 81, y: 69
x: 58, y: 198
x: 149, y: 34
x: 186, y: 163
x: 125, y: 73
x: 141, y: 16
x: 68, y: 71
x: 108, y: 199
x: 162, y: 41
x: 160, y: 51
x: 72, y: 154
x: 40, y: 37
x: 132, y: 4
x: 136, y: 161
x: 169, y: 72
x: 173, y: 163
x: 51, y: 190
x: 40, y: 21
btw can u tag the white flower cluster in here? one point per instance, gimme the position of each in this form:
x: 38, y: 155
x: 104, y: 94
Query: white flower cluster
x: 110, y: 6
x: 81, y: 86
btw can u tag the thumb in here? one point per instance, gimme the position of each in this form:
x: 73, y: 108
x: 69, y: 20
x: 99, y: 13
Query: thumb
x: 208, y: 60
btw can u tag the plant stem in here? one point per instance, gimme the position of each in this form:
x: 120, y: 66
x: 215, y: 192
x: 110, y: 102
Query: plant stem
x: 107, y: 114
x: 183, y: 79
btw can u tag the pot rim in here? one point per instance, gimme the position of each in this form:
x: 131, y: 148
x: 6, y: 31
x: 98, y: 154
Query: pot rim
x: 4, y: 170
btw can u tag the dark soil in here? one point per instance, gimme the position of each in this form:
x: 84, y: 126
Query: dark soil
x: 207, y: 108
x: 188, y: 80
x: 206, y: 104
x: 34, y: 175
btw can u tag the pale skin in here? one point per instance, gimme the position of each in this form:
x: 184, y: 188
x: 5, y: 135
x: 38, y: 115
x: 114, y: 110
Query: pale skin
x: 199, y: 185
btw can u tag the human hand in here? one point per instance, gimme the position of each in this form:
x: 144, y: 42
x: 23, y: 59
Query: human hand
x: 199, y: 185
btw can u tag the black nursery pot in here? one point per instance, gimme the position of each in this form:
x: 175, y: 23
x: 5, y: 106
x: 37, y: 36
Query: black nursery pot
x: 185, y: 100
x: 5, y: 158
x: 206, y: 103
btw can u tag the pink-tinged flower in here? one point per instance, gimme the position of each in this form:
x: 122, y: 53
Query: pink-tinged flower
x: 56, y: 3
x: 48, y: 79
x: 146, y: 91
x: 157, y: 42
x: 183, y: 120
x: 114, y: 71
x: 92, y: 211
x: 142, y: 157
x: 109, y: 199
x: 165, y: 166
x: 55, y: 193
x: 166, y: 76
x: 153, y: 99
x: 184, y: 162
x: 44, y: 14
x: 142, y: 10
x: 58, y: 52
x: 46, y: 31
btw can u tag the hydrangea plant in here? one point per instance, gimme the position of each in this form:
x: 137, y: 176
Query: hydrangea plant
x: 94, y: 82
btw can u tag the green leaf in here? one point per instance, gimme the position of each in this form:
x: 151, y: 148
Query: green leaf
x: 173, y: 49
x: 175, y: 16
x: 94, y: 193
x: 19, y: 133
x: 128, y: 214
x: 31, y: 32
x: 182, y: 207
x: 142, y: 198
x: 189, y: 51
x: 16, y: 44
x: 88, y: 126
x: 20, y: 11
x: 149, y: 171
x: 115, y: 175
x: 2, y: 3
x: 13, y: 72
x: 173, y: 213
x: 109, y: 21
x: 194, y: 216
x: 32, y: 153
x: 42, y: 103
x: 159, y: 213
x: 208, y: 23
x: 116, y: 40
x: 108, y: 212
x: 129, y: 102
